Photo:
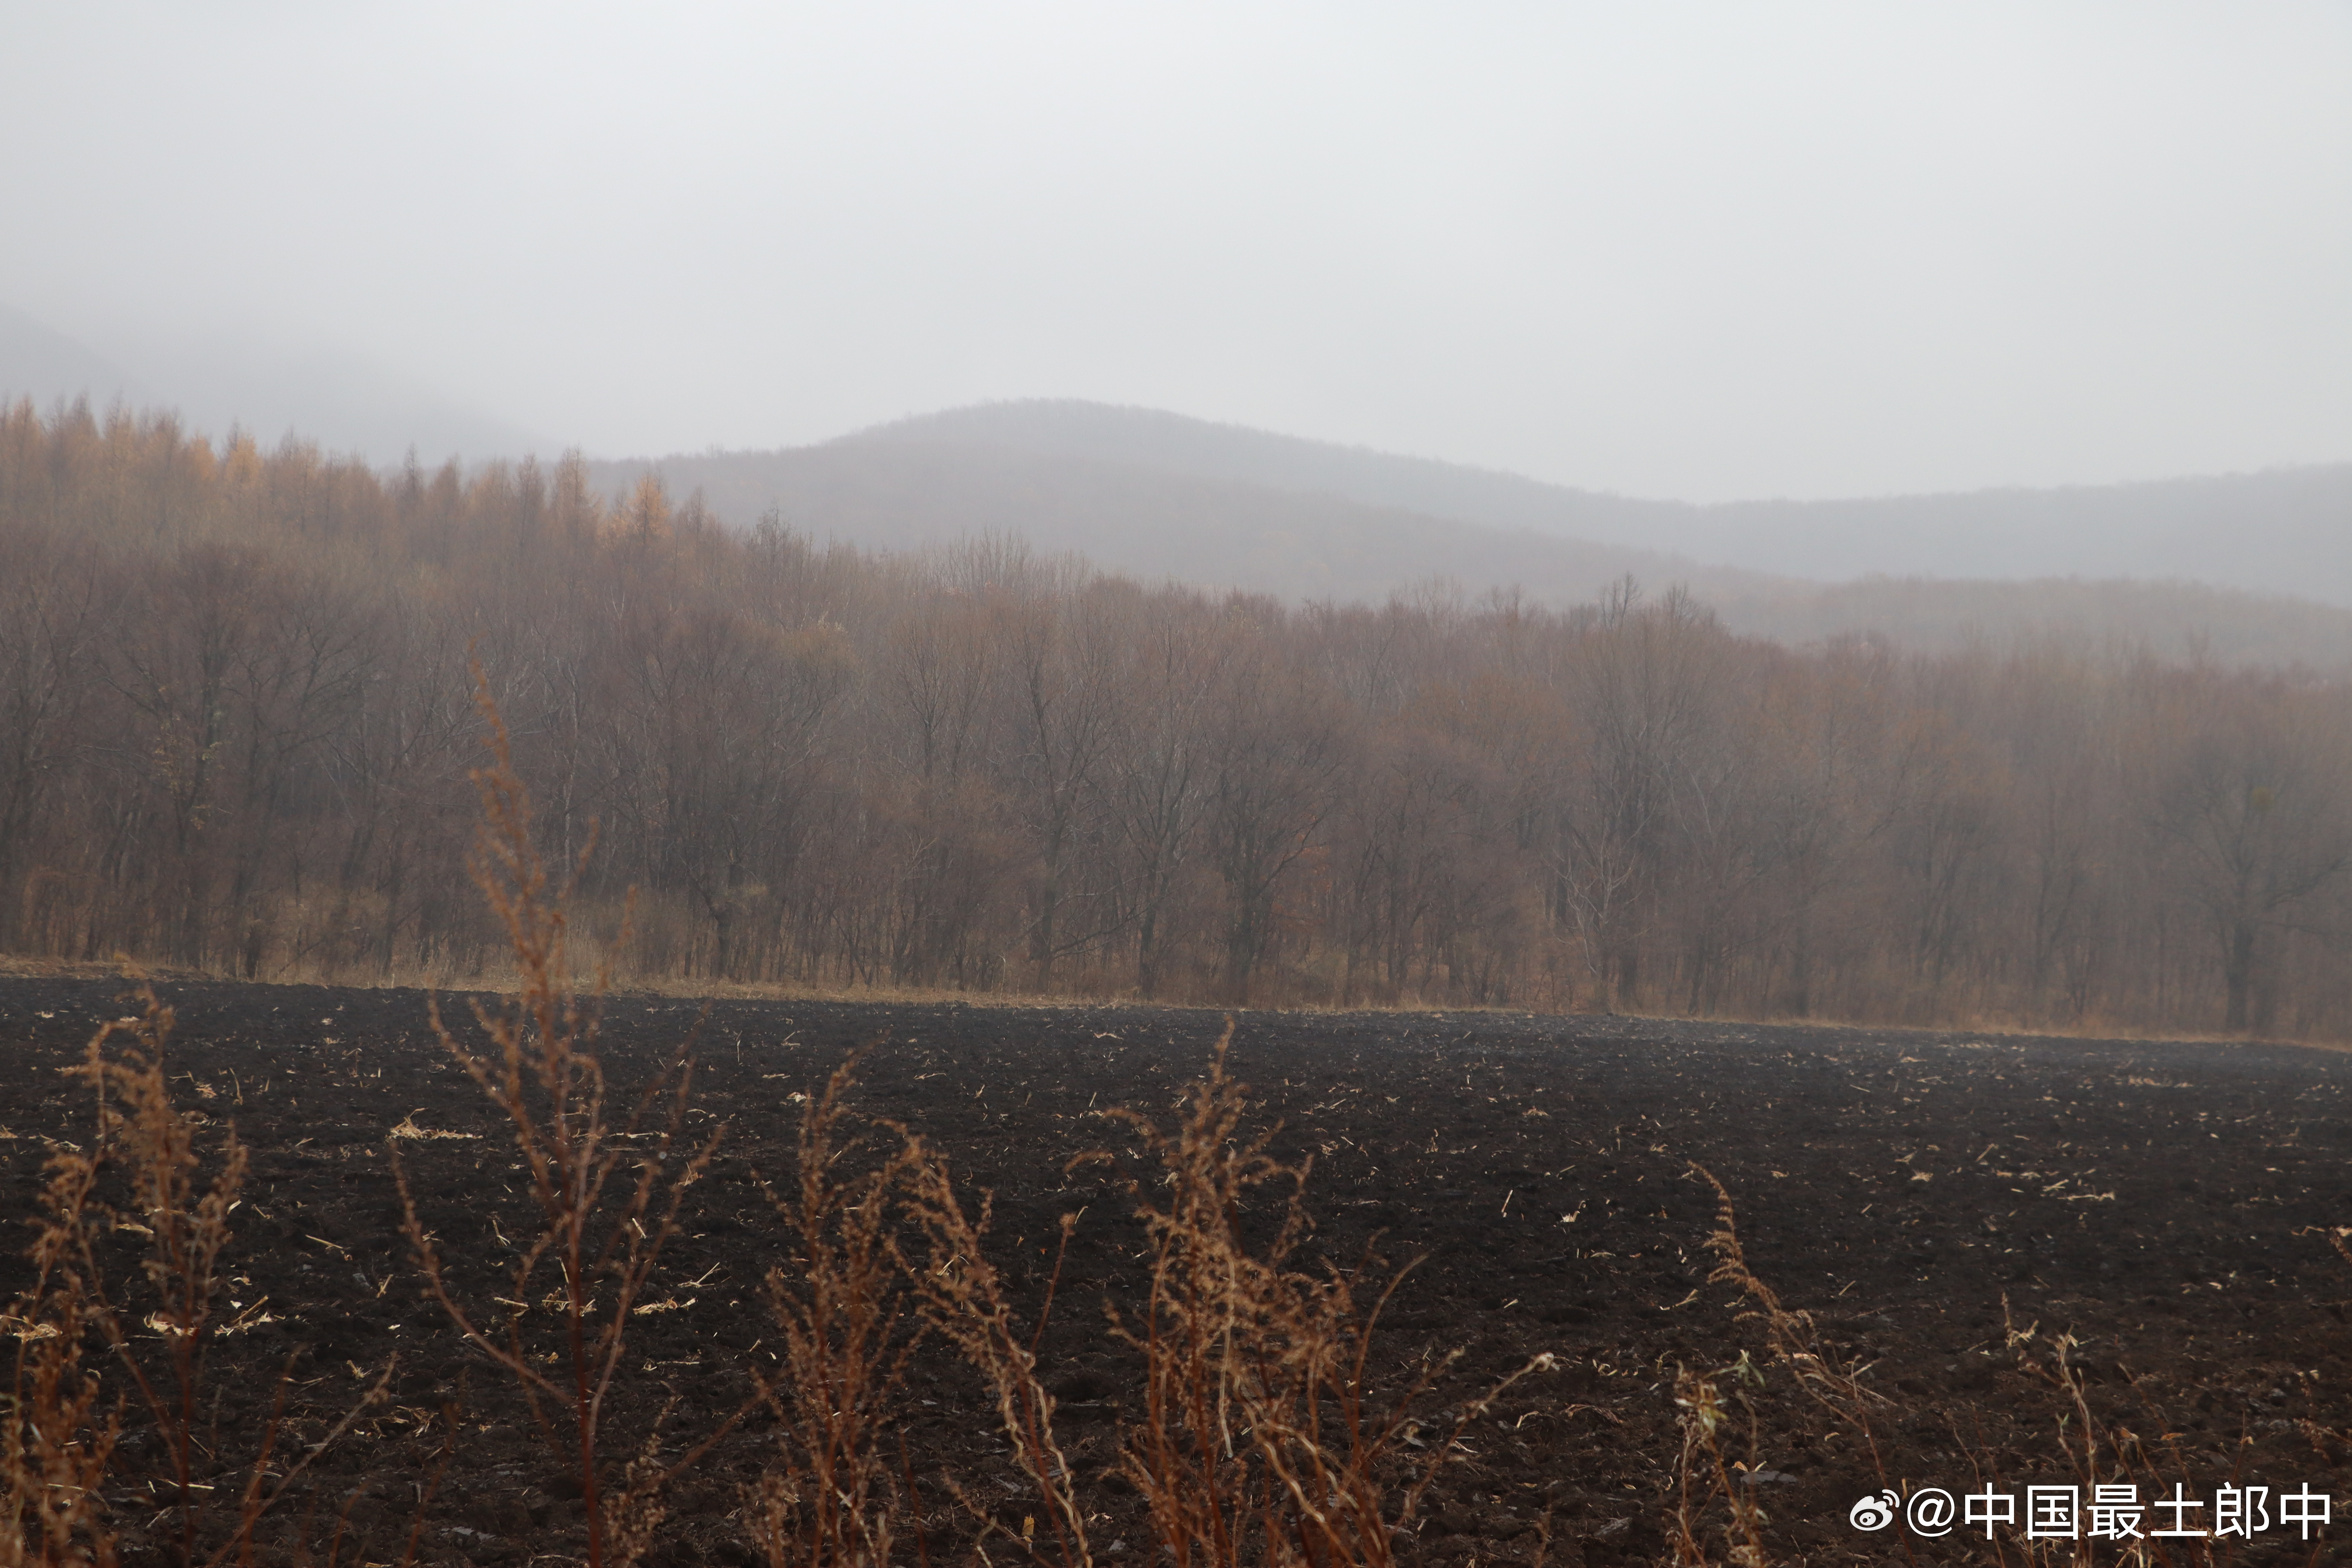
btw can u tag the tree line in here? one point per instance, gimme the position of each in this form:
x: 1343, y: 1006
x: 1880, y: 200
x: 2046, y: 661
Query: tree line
x: 237, y: 733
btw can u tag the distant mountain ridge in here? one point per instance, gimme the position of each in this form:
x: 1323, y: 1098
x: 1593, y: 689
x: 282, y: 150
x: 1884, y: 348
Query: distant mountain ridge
x: 1148, y: 521
x: 1162, y: 496
x: 2285, y: 531
x: 1067, y: 427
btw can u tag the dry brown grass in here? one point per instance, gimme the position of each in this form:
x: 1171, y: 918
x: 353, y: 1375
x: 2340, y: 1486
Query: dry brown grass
x: 1715, y: 1506
x: 81, y: 1362
x: 849, y: 1330
x: 61, y: 1425
x: 964, y: 1298
x: 608, y: 1195
x: 2095, y: 1450
x: 1262, y: 1438
x: 1718, y: 1405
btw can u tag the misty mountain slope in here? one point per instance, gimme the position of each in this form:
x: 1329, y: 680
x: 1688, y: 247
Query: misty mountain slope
x: 905, y: 493
x: 2172, y: 620
x: 2283, y: 532
x: 343, y: 403
x: 45, y: 366
x: 2288, y: 530
x: 1174, y: 442
x: 899, y: 490
x: 1159, y: 495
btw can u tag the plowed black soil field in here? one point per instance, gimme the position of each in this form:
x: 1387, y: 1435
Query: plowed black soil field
x: 2169, y: 1205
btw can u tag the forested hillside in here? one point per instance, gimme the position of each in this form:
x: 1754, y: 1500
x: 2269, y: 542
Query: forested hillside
x: 235, y: 733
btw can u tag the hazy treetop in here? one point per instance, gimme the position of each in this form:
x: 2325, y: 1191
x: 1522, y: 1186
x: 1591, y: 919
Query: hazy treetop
x: 1697, y: 251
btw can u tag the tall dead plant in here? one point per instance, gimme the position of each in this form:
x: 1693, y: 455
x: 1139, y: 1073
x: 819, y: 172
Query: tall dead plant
x: 964, y: 1297
x: 607, y: 1197
x: 846, y: 1310
x: 1261, y: 1437
x: 1704, y: 1471
x: 58, y: 1432
x: 1794, y: 1338
x: 63, y: 1430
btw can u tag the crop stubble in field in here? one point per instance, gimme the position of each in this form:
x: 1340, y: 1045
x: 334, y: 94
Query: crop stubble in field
x: 2168, y: 1204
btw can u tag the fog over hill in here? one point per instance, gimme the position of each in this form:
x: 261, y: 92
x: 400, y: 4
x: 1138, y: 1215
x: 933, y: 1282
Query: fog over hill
x: 2243, y: 568
x: 2286, y: 531
x: 1152, y: 521
x: 2251, y: 568
x: 42, y: 364
x: 344, y: 404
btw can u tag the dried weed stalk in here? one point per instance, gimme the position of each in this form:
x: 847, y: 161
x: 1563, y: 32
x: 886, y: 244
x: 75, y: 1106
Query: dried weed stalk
x: 607, y: 1197
x: 963, y: 1297
x: 1705, y: 1472
x: 1794, y: 1338
x: 60, y: 1425
x: 1262, y: 1439
x: 849, y: 1331
x: 2100, y: 1452
x: 62, y: 1428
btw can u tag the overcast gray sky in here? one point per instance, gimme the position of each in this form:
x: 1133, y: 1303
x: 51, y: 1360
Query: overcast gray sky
x: 1674, y: 249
